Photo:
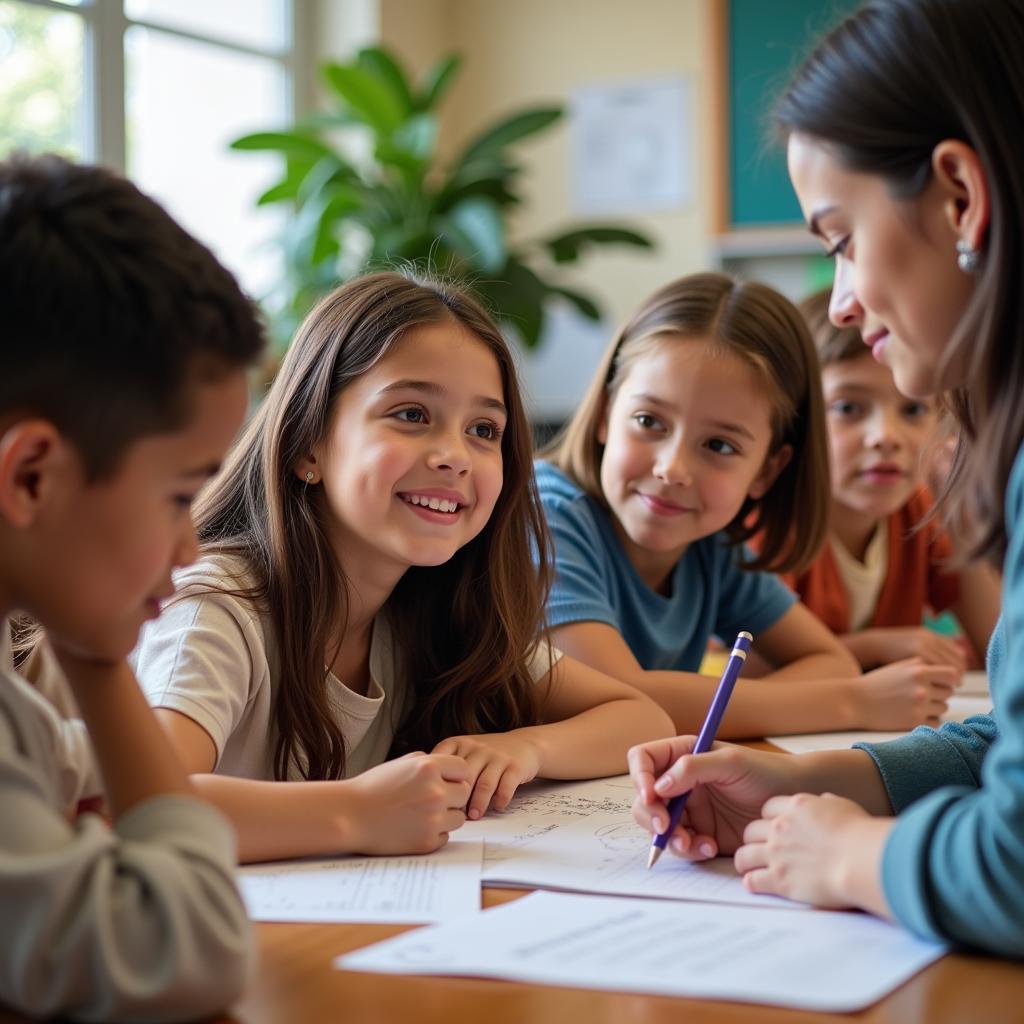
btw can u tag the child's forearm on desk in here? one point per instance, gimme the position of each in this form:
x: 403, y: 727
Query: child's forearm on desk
x: 757, y: 707
x: 279, y: 820
x: 595, y: 742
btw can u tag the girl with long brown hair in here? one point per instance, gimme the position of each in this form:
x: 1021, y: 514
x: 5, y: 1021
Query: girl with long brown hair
x: 903, y: 136
x: 367, y: 588
x: 702, y: 427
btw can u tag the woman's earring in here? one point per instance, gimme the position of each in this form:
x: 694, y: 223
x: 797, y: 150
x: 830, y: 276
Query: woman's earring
x: 968, y: 259
x: 309, y: 478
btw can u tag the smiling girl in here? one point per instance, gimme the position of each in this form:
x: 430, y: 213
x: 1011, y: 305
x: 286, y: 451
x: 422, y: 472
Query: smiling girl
x: 367, y: 588
x: 702, y: 427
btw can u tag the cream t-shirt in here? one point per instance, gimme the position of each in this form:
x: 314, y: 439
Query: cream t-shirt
x: 863, y: 581
x: 214, y: 658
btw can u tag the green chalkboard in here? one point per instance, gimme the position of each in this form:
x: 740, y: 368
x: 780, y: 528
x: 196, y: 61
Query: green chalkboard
x: 766, y: 40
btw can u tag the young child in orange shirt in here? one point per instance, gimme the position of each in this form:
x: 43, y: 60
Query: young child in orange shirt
x: 886, y: 561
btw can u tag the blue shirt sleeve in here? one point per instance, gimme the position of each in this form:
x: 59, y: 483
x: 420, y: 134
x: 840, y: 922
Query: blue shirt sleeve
x: 580, y: 589
x: 748, y: 600
x: 953, y: 866
x: 953, y: 756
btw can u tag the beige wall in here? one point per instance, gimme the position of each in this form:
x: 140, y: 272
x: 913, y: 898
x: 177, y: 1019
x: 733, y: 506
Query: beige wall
x: 524, y: 52
x: 520, y: 52
x: 419, y: 31
x: 536, y: 51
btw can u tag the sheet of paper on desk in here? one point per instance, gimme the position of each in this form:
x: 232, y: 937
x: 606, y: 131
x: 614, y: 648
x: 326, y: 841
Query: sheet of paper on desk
x: 581, y: 837
x: 830, y: 962
x: 960, y: 707
x: 973, y: 684
x: 391, y: 890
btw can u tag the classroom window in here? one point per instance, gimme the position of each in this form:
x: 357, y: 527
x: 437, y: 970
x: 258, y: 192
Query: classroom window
x: 41, y: 87
x: 158, y: 88
x: 262, y: 24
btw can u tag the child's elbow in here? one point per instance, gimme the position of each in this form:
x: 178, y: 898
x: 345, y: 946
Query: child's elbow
x: 653, y: 720
x: 842, y: 660
x: 850, y: 664
x: 210, y: 978
x: 230, y: 966
x: 112, y: 984
x: 199, y: 979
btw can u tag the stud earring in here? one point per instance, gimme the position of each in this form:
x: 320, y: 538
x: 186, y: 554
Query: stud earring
x: 968, y: 259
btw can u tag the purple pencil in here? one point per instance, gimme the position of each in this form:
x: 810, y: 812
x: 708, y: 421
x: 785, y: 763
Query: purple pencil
x: 708, y: 731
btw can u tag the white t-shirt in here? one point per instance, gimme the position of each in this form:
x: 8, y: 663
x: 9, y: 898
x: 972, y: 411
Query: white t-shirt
x: 213, y: 658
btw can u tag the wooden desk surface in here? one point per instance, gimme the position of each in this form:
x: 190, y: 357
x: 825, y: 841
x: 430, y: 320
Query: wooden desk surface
x: 298, y: 984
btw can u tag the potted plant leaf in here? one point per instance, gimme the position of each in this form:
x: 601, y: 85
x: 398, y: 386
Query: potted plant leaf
x: 366, y: 189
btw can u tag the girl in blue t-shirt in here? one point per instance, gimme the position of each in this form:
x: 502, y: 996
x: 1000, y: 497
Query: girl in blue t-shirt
x: 703, y: 426
x: 921, y: 203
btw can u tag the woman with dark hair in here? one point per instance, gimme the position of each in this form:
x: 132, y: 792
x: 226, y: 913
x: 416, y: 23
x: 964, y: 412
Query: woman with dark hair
x: 903, y: 136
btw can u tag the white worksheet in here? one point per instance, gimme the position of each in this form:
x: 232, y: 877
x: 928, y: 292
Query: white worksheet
x: 580, y: 836
x: 960, y: 707
x: 973, y: 684
x: 831, y: 962
x: 392, y: 890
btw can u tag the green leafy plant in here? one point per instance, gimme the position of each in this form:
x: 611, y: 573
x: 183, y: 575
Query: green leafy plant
x: 366, y: 189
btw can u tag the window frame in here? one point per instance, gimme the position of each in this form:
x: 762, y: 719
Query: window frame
x: 103, y: 87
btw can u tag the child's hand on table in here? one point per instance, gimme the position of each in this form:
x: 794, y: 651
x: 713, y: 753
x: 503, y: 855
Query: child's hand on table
x: 896, y: 643
x: 408, y: 805
x: 499, y: 763
x: 905, y: 694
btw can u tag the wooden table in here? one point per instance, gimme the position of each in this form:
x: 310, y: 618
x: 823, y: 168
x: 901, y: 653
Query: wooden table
x: 298, y: 984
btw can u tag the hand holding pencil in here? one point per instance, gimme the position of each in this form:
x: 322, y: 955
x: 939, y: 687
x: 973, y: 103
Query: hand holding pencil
x: 730, y: 785
x: 708, y: 731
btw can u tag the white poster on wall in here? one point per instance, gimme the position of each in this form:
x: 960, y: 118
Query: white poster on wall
x: 631, y: 147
